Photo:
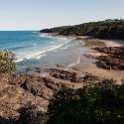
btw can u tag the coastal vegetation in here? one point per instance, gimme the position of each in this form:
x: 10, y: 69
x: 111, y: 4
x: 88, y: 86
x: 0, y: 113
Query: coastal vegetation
x: 102, y: 103
x: 108, y: 29
x: 7, y: 64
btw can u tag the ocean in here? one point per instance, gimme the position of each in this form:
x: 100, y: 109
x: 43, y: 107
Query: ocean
x: 34, y: 49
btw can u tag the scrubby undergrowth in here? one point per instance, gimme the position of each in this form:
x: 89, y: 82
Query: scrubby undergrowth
x: 7, y: 64
x: 102, y: 103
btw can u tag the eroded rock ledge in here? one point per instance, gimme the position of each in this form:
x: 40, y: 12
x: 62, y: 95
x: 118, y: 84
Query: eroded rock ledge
x: 114, y: 58
x: 39, y: 90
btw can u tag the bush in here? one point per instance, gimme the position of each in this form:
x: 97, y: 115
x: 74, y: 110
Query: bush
x: 7, y: 64
x: 102, y: 103
x: 30, y: 115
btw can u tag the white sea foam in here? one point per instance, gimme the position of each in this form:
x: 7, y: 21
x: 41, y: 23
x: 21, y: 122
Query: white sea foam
x: 60, y: 38
x: 45, y: 35
x: 53, y: 46
x: 18, y: 60
x: 39, y: 54
x: 73, y: 64
x: 67, y: 46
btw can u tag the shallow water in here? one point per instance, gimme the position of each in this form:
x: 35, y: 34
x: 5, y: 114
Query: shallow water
x: 40, y: 50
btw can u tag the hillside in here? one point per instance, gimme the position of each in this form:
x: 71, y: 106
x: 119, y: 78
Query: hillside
x: 108, y: 29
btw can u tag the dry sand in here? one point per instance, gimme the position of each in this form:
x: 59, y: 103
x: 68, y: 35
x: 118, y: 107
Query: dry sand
x: 92, y: 55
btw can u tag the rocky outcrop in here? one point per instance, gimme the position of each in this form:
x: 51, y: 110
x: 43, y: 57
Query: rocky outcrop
x: 64, y: 75
x: 90, y: 79
x: 114, y: 58
x: 42, y: 87
x: 39, y: 90
x: 25, y: 89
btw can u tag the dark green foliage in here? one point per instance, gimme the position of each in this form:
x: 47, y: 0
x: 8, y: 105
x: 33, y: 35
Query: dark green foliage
x: 55, y: 30
x: 102, y: 103
x: 108, y: 29
x: 30, y: 115
x: 5, y: 121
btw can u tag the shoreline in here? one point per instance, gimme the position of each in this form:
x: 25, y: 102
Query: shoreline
x: 86, y: 60
x: 91, y: 56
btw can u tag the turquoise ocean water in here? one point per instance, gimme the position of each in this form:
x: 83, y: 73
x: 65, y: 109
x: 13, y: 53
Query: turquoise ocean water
x: 34, y: 49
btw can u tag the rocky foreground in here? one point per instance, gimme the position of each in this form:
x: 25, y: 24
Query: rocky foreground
x: 40, y: 88
x: 26, y: 89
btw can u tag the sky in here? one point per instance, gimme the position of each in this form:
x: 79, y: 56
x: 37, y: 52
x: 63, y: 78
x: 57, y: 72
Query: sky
x: 40, y: 14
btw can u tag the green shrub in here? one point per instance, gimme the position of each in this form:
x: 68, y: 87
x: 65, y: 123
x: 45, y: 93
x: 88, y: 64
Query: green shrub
x: 7, y: 64
x: 102, y: 103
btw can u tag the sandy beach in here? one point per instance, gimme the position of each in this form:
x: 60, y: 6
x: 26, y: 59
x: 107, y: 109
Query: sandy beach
x: 92, y: 54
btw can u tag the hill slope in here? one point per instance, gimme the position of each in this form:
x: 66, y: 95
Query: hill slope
x: 108, y: 29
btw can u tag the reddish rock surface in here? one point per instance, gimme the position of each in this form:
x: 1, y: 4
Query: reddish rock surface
x: 114, y: 58
x: 65, y: 75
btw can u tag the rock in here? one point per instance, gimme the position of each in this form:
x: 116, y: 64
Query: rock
x: 50, y: 84
x: 90, y: 79
x: 28, y: 69
x: 113, y: 59
x: 59, y: 66
x: 37, y: 88
x: 38, y: 70
x: 42, y: 87
x: 64, y: 75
